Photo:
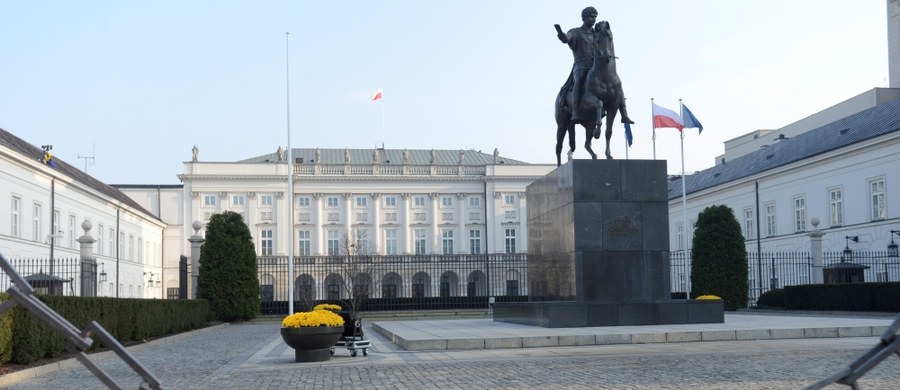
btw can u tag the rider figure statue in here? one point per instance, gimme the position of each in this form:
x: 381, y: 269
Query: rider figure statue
x: 581, y: 41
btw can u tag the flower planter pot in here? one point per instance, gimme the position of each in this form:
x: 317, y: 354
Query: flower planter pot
x: 312, y: 344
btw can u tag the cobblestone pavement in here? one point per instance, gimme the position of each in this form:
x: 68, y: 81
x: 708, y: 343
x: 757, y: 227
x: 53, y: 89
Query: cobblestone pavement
x: 252, y: 356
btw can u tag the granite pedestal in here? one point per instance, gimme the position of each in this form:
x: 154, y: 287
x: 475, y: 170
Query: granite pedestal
x: 598, y: 250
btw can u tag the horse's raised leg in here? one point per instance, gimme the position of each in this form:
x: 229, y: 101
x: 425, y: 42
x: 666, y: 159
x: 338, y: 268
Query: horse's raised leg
x: 598, y: 118
x: 588, y: 128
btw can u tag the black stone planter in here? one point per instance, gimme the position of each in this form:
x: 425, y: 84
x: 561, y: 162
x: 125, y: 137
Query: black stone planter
x: 312, y: 344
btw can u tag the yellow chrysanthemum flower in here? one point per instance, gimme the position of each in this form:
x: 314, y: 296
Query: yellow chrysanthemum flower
x: 312, y: 318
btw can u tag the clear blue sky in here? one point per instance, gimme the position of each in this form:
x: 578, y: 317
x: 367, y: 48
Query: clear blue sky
x: 146, y: 80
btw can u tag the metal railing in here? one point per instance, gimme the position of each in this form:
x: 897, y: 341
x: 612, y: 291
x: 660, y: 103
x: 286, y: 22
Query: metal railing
x: 773, y: 270
x: 421, y: 282
x: 69, y: 276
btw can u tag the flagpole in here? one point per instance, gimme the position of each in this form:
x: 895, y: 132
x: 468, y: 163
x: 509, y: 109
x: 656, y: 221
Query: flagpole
x: 290, y: 178
x: 382, y: 115
x: 654, y: 128
x: 684, y: 199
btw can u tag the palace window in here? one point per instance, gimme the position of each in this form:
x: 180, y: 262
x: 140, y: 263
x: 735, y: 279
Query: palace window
x: 800, y: 214
x: 510, y: 238
x: 419, y: 241
x: 509, y: 200
x: 331, y: 201
x: 36, y: 222
x: 333, y: 241
x: 266, y: 242
x: 475, y: 241
x: 447, y: 241
x: 748, y: 224
x: 876, y: 194
x: 771, y: 225
x: 305, y: 242
x: 836, y: 206
x: 15, y: 220
x: 390, y: 241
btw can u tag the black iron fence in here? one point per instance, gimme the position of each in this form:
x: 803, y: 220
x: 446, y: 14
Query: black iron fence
x: 69, y: 276
x: 410, y: 282
x: 772, y: 270
x: 438, y: 282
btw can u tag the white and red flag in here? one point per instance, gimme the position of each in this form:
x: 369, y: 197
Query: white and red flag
x: 378, y: 94
x: 664, y: 117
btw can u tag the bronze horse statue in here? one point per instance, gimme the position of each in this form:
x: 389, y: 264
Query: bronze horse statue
x: 603, y: 97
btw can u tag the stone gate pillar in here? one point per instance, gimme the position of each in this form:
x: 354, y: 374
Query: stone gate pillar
x: 815, y: 246
x: 196, y: 241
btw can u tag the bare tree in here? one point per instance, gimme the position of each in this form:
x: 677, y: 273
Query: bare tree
x: 358, y: 270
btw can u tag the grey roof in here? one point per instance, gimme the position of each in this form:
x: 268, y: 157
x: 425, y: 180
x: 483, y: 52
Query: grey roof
x: 874, y: 122
x: 388, y: 157
x: 33, y: 152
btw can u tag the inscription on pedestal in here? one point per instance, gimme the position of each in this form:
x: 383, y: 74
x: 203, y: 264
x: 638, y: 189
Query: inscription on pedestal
x: 622, y: 227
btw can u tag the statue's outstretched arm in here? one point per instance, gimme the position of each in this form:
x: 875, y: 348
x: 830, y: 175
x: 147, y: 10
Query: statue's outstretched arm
x: 560, y: 34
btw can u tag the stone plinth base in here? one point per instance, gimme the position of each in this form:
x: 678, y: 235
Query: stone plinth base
x: 575, y: 314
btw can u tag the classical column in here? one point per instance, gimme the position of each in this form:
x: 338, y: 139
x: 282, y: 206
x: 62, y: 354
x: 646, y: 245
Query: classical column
x: 406, y: 236
x: 252, y: 214
x: 195, y: 241
x: 496, y: 225
x: 376, y: 223
x: 462, y: 246
x: 435, y: 219
x: 280, y: 218
x: 522, y: 244
x: 318, y: 233
x: 348, y: 217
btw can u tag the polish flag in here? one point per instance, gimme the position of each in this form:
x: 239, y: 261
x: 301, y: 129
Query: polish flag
x: 377, y: 95
x: 664, y: 117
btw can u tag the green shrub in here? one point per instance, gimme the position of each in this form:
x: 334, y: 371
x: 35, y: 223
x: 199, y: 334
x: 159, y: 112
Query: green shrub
x: 228, y: 274
x: 771, y: 299
x: 5, y: 332
x: 719, y: 259
x: 881, y: 297
x: 126, y: 320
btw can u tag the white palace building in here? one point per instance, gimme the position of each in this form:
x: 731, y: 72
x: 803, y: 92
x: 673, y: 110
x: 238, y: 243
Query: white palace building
x: 394, y: 202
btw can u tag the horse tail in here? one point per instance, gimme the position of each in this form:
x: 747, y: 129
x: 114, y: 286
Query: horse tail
x: 565, y: 90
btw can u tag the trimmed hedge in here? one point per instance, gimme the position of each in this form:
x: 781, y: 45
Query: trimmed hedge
x: 881, y: 297
x: 5, y: 332
x: 772, y: 299
x: 128, y: 320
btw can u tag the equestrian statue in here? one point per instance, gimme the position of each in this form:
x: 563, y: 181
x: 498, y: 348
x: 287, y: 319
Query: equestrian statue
x: 593, y: 89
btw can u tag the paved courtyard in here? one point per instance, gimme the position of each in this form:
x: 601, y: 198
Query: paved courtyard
x: 252, y: 356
